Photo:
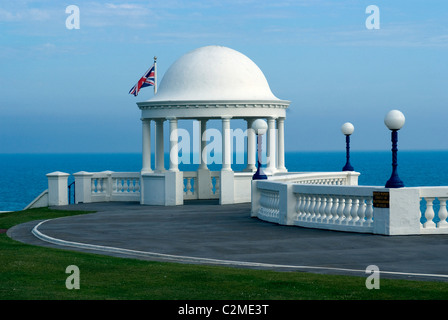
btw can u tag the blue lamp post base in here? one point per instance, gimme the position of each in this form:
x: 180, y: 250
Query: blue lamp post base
x: 258, y: 174
x: 394, y: 181
x: 348, y: 166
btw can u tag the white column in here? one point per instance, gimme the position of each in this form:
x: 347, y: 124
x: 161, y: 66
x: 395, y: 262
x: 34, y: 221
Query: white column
x: 160, y: 162
x: 174, y: 148
x: 202, y: 144
x: 226, y: 144
x: 83, y: 190
x: 251, y: 146
x: 57, y: 188
x: 281, y: 144
x: 271, y: 145
x: 146, y: 145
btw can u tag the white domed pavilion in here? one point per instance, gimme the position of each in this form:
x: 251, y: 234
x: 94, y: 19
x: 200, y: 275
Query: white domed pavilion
x: 211, y: 82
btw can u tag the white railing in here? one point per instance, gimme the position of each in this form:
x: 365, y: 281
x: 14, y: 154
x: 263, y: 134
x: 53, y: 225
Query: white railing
x: 327, y: 178
x: 115, y: 186
x: 434, y: 213
x: 214, y: 184
x: 333, y: 208
x: 419, y: 210
x: 191, y: 185
x: 269, y: 209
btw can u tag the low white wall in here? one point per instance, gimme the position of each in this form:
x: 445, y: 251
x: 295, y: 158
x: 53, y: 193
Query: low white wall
x: 351, y: 208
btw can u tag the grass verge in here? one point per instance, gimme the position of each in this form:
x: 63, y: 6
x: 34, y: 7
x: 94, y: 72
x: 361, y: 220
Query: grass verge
x: 36, y: 273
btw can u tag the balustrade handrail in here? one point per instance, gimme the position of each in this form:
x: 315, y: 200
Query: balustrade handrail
x: 345, y: 177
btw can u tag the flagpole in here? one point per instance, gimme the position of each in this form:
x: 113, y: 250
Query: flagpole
x: 155, y: 74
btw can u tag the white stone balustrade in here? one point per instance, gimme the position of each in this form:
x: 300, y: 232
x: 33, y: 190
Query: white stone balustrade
x: 107, y: 186
x: 326, y: 178
x: 214, y: 184
x: 434, y: 211
x: 351, y: 208
x: 190, y: 185
x: 338, y: 208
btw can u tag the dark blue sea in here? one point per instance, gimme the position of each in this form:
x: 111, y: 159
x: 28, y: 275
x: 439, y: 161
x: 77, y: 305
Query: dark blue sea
x: 22, y: 176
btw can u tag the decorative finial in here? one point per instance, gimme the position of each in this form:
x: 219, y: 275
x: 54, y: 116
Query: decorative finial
x: 155, y: 58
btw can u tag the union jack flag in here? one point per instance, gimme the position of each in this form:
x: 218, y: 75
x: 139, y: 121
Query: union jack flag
x: 147, y: 80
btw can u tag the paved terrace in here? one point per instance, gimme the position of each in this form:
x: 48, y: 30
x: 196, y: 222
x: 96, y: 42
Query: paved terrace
x: 207, y: 233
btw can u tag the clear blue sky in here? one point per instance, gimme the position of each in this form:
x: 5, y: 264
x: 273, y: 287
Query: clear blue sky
x: 66, y: 90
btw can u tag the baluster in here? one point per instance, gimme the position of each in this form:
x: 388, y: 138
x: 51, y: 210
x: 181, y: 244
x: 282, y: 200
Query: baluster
x: 93, y: 186
x: 322, y: 208
x: 188, y: 186
x: 328, y: 208
x: 299, y: 203
x: 269, y: 203
x: 347, y: 210
x: 361, y: 212
x: 317, y: 209
x: 334, y: 211
x: 354, y: 211
x: 114, y: 185
x: 443, y: 214
x: 277, y: 203
x: 118, y: 185
x: 429, y: 213
x: 369, y: 211
x: 312, y: 208
x: 341, y: 209
x: 195, y: 183
x: 137, y: 185
x: 127, y: 185
x: 131, y: 185
x: 217, y: 185
x: 99, y: 185
x: 303, y: 207
x: 308, y: 208
x: 265, y: 202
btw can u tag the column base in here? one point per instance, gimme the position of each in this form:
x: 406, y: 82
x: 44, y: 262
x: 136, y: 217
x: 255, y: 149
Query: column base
x: 251, y: 168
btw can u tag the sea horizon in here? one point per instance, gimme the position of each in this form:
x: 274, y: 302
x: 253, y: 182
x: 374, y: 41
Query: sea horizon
x: 23, y: 175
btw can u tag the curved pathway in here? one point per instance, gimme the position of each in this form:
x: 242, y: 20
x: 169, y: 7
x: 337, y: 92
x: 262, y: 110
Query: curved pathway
x: 203, y: 232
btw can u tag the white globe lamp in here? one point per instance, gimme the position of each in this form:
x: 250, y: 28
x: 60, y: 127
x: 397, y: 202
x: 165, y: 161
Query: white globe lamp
x: 260, y: 127
x: 394, y: 120
x: 347, y: 129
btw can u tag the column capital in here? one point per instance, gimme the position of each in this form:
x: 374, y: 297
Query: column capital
x: 226, y: 117
x: 171, y: 118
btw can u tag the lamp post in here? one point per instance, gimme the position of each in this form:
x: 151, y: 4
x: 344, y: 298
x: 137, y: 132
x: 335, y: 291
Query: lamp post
x: 347, y: 129
x: 259, y: 126
x: 394, y: 120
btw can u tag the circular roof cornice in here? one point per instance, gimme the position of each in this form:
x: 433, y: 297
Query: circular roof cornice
x: 214, y: 109
x: 144, y: 105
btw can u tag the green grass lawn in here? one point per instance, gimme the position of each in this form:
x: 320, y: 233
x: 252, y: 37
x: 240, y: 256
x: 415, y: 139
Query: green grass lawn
x: 36, y: 273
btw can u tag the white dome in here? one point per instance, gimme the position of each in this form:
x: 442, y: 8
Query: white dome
x: 213, y: 73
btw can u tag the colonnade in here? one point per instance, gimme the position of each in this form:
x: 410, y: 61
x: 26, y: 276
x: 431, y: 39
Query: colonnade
x: 275, y: 144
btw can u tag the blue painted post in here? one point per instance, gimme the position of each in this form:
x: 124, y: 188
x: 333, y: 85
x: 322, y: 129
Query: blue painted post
x: 348, y: 166
x: 394, y: 181
x: 258, y: 174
